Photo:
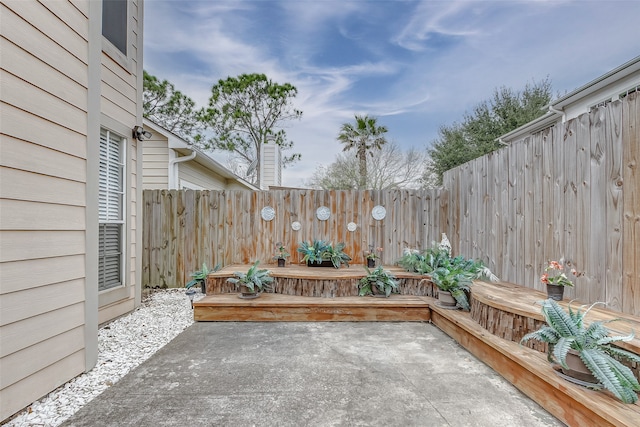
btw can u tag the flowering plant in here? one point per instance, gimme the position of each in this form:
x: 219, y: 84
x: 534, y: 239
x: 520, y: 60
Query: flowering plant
x: 372, y: 253
x: 555, y: 275
x: 281, y: 251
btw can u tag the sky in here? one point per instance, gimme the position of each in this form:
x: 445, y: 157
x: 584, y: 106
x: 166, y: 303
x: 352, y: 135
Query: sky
x: 414, y: 65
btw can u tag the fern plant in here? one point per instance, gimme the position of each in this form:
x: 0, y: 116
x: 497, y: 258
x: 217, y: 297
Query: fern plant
x: 566, y: 331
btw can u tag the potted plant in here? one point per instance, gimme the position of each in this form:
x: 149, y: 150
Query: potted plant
x: 454, y: 278
x: 251, y: 283
x: 336, y: 255
x: 556, y: 279
x: 453, y: 282
x: 281, y: 254
x: 578, y: 348
x: 200, y: 277
x: 378, y: 282
x: 322, y: 254
x: 371, y: 255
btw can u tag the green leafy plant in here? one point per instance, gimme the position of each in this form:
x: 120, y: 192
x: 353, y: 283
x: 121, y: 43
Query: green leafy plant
x: 565, y: 331
x: 281, y: 252
x: 319, y: 250
x: 336, y: 255
x: 313, y: 251
x: 200, y: 276
x: 382, y: 279
x: 255, y: 279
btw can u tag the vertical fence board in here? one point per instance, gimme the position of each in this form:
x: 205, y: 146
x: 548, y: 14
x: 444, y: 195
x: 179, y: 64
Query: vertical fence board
x: 631, y: 202
x: 614, y: 208
x: 569, y: 191
x: 597, y: 246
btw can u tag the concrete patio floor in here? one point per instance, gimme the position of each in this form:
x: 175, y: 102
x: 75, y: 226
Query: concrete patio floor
x: 312, y: 374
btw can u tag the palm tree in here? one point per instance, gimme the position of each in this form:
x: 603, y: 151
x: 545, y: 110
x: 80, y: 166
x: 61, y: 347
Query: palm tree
x: 365, y: 136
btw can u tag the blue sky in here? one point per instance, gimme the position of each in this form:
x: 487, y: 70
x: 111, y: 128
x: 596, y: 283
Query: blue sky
x: 414, y: 65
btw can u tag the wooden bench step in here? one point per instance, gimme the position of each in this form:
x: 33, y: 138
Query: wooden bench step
x: 289, y: 308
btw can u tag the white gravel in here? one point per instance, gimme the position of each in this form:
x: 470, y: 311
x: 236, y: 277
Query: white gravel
x: 122, y: 345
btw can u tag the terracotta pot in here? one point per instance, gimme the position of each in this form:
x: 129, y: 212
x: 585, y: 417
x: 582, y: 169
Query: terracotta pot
x: 446, y: 299
x: 577, y: 368
x: 555, y: 292
x: 371, y: 263
x: 281, y: 262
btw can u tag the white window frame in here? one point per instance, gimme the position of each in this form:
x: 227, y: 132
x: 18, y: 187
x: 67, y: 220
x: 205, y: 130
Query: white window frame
x: 107, y: 215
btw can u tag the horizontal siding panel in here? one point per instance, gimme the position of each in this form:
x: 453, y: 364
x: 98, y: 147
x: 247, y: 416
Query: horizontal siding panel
x: 115, y: 81
x: 27, y: 97
x: 27, y: 332
x: 115, y: 310
x: 18, y: 245
x: 27, y: 127
x: 22, y: 155
x: 31, y: 40
x: 109, y: 64
x: 70, y: 15
x: 20, y: 215
x: 32, y: 388
x: 118, y: 98
x: 40, y: 355
x: 52, y: 27
x: 22, y: 185
x: 31, y: 69
x: 82, y: 6
x: 27, y: 274
x: 33, y: 302
x: 109, y: 109
x: 201, y: 176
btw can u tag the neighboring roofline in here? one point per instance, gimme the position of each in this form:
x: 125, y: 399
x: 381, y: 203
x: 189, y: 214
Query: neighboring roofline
x: 618, y: 73
x: 546, y: 120
x: 556, y: 107
x: 177, y: 143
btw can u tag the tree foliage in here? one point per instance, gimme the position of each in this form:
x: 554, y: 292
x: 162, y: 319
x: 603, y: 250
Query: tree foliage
x: 478, y: 132
x: 170, y: 108
x: 247, y: 111
x: 365, y: 136
x: 390, y: 168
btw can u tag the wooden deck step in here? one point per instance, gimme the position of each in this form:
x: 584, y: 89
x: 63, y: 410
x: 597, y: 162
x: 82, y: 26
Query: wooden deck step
x: 529, y: 371
x: 289, y: 308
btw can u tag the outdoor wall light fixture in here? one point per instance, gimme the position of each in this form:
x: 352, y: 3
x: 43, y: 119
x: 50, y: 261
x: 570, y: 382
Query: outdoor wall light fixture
x: 140, y: 134
x: 191, y: 294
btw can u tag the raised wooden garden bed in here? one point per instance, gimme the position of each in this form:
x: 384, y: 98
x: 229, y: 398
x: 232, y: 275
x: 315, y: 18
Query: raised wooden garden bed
x: 501, y: 314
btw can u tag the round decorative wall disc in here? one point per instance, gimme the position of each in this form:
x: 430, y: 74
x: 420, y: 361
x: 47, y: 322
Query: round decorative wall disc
x: 295, y: 225
x: 378, y: 212
x: 352, y: 226
x: 268, y: 213
x: 323, y: 213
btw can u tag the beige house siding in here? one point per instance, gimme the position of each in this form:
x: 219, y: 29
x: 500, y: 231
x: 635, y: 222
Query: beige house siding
x: 155, y: 155
x: 271, y: 166
x: 195, y: 176
x: 48, y: 131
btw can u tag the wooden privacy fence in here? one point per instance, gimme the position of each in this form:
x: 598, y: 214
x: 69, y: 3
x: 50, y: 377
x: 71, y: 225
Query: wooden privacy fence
x: 182, y: 229
x: 568, y: 192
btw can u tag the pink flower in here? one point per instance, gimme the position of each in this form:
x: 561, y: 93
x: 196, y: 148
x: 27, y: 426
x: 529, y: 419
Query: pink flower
x: 545, y: 278
x: 555, y: 265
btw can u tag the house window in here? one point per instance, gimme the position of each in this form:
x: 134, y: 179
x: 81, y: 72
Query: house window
x: 111, y: 211
x: 114, y: 23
